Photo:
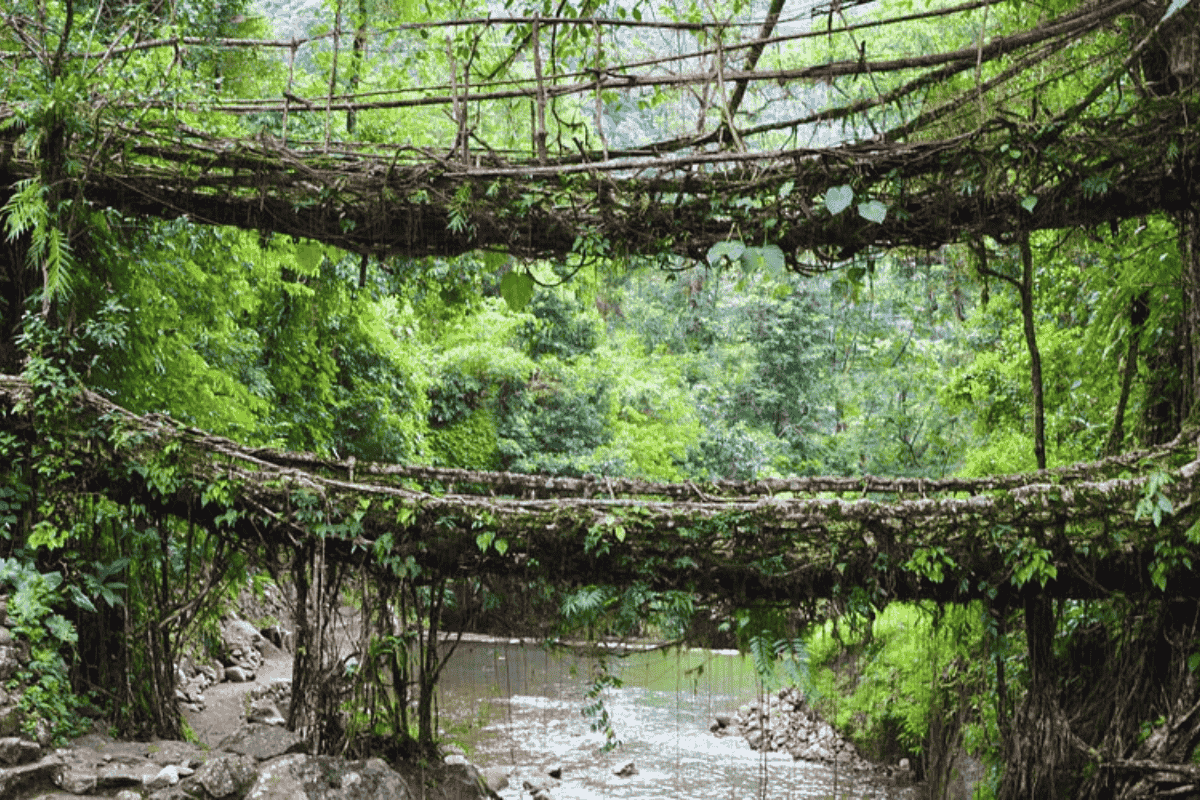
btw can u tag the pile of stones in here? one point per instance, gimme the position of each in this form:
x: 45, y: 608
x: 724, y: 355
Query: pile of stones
x: 785, y: 722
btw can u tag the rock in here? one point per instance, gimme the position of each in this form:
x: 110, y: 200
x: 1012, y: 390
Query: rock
x: 122, y: 773
x: 296, y: 777
x: 13, y: 778
x: 263, y: 742
x: 278, y: 691
x: 496, y: 778
x: 626, y: 770
x: 239, y: 631
x: 242, y: 644
x: 539, y: 791
x: 10, y: 719
x: 238, y: 675
x: 462, y: 782
x: 180, y: 791
x: 456, y: 759
x: 555, y: 772
x: 81, y: 775
x: 265, y: 711
x: 127, y: 794
x: 167, y: 776
x: 227, y: 775
x: 279, y: 636
x: 104, y: 766
x: 43, y: 732
x: 14, y: 750
x: 13, y: 654
x: 75, y: 781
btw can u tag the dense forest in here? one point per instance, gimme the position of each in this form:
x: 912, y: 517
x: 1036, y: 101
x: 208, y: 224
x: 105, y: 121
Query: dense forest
x: 630, y: 353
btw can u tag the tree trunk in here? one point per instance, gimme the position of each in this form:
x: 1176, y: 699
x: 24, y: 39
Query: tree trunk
x: 1043, y: 758
x: 1139, y: 312
x: 1035, y: 355
x: 1188, y: 223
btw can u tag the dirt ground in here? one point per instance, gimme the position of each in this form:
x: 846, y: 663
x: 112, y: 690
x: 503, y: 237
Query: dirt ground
x: 225, y: 704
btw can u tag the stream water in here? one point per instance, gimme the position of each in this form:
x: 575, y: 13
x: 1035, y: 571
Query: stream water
x: 520, y: 706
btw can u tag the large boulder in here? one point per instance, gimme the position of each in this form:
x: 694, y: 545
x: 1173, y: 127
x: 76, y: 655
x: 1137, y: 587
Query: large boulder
x: 296, y: 777
x: 264, y: 742
x: 14, y: 654
x: 241, y: 645
x: 14, y: 750
x: 41, y: 771
x: 227, y: 775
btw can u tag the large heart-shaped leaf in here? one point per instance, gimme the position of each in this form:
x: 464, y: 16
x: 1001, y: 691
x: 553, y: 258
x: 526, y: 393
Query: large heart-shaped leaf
x: 874, y: 211
x: 839, y: 198
x: 309, y: 256
x: 767, y: 258
x: 720, y: 250
x: 516, y: 288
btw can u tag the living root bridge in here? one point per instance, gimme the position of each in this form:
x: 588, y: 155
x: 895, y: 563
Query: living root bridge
x: 782, y: 540
x: 362, y: 201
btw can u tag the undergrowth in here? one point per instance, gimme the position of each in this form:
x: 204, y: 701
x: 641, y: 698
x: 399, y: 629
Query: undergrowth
x: 882, y: 684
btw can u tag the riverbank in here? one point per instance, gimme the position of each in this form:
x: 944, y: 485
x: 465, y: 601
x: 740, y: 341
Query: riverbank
x: 239, y: 748
x: 514, y: 706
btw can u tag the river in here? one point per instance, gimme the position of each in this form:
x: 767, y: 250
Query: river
x: 520, y: 706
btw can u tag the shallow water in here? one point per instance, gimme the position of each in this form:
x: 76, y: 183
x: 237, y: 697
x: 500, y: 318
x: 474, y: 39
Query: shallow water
x: 519, y: 706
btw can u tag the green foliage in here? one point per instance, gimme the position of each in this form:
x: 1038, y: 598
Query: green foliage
x: 561, y: 327
x: 553, y: 428
x: 516, y: 288
x: 27, y: 211
x: 778, y: 657
x: 471, y: 442
x: 930, y: 562
x: 1154, y: 503
x: 595, y: 709
x: 44, y: 681
x: 887, y: 681
x: 1029, y: 561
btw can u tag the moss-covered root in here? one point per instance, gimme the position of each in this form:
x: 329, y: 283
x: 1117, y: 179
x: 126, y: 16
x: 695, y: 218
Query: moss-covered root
x: 1043, y: 758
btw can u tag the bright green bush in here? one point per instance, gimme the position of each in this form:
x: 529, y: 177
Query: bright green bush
x: 44, y: 682
x: 471, y: 443
x: 880, y: 683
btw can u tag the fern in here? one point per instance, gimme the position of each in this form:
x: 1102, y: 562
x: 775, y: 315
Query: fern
x: 56, y: 260
x: 762, y: 653
x: 794, y: 655
x: 26, y: 209
x: 27, y: 212
x: 585, y: 605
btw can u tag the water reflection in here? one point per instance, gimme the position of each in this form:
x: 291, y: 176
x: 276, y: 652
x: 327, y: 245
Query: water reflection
x: 523, y: 705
